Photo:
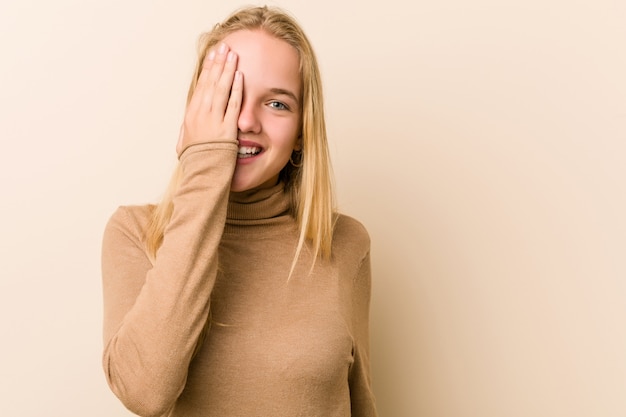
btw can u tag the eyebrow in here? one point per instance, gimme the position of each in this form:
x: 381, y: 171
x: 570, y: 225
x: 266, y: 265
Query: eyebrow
x: 286, y: 93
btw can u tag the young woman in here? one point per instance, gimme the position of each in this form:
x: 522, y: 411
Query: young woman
x: 243, y: 293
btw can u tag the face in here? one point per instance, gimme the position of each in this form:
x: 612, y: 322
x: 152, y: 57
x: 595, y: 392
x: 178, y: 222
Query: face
x: 269, y: 121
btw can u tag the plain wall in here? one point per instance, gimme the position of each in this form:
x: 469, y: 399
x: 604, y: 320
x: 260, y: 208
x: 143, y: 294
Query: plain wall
x: 482, y: 144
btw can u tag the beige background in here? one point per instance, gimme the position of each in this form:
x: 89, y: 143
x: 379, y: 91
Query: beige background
x: 482, y: 143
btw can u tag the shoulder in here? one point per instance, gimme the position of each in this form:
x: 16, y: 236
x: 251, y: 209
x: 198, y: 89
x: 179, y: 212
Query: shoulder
x: 352, y: 228
x: 351, y: 235
x: 128, y: 222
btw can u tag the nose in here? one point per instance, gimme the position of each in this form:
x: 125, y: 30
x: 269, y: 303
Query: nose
x: 248, y: 121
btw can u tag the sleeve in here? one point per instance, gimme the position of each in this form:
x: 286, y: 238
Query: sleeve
x: 154, y: 314
x: 361, y: 396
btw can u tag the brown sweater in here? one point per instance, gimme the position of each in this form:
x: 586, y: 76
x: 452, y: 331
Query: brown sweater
x: 275, y: 347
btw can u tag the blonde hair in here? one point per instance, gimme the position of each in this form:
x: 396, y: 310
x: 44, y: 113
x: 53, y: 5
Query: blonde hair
x: 309, y: 178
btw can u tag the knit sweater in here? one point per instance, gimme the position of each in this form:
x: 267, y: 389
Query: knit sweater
x: 275, y: 346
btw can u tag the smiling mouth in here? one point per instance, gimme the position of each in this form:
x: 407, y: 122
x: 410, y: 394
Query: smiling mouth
x: 248, y: 152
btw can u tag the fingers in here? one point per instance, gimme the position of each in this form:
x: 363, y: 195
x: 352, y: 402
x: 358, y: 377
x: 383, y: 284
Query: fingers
x: 217, y: 73
x: 225, y: 83
x: 234, y: 103
x: 214, y: 107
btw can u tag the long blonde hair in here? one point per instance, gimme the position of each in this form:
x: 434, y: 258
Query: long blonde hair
x: 309, y: 179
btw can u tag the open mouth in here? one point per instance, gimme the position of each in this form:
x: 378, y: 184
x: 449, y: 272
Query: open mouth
x: 248, y: 152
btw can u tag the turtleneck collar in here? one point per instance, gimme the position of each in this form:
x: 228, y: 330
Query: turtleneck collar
x: 259, y: 210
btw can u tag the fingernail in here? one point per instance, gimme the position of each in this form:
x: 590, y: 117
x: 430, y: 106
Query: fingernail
x: 222, y: 48
x: 231, y: 56
x: 211, y: 55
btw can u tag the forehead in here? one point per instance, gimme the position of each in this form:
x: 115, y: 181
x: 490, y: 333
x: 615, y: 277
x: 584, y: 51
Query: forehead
x: 265, y: 61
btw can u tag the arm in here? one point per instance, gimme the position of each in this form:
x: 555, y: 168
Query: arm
x: 361, y: 395
x: 154, y: 314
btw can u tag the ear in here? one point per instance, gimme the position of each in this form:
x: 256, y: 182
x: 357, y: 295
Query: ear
x: 298, y: 145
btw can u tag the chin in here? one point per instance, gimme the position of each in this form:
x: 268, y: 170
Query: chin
x: 237, y: 189
x: 239, y: 186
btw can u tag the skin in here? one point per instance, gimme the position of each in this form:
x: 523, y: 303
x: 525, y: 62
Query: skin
x: 249, y: 90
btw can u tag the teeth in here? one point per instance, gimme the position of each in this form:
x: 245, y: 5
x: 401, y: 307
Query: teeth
x: 248, y: 150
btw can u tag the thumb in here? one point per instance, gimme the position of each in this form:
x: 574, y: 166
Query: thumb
x: 179, y: 145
